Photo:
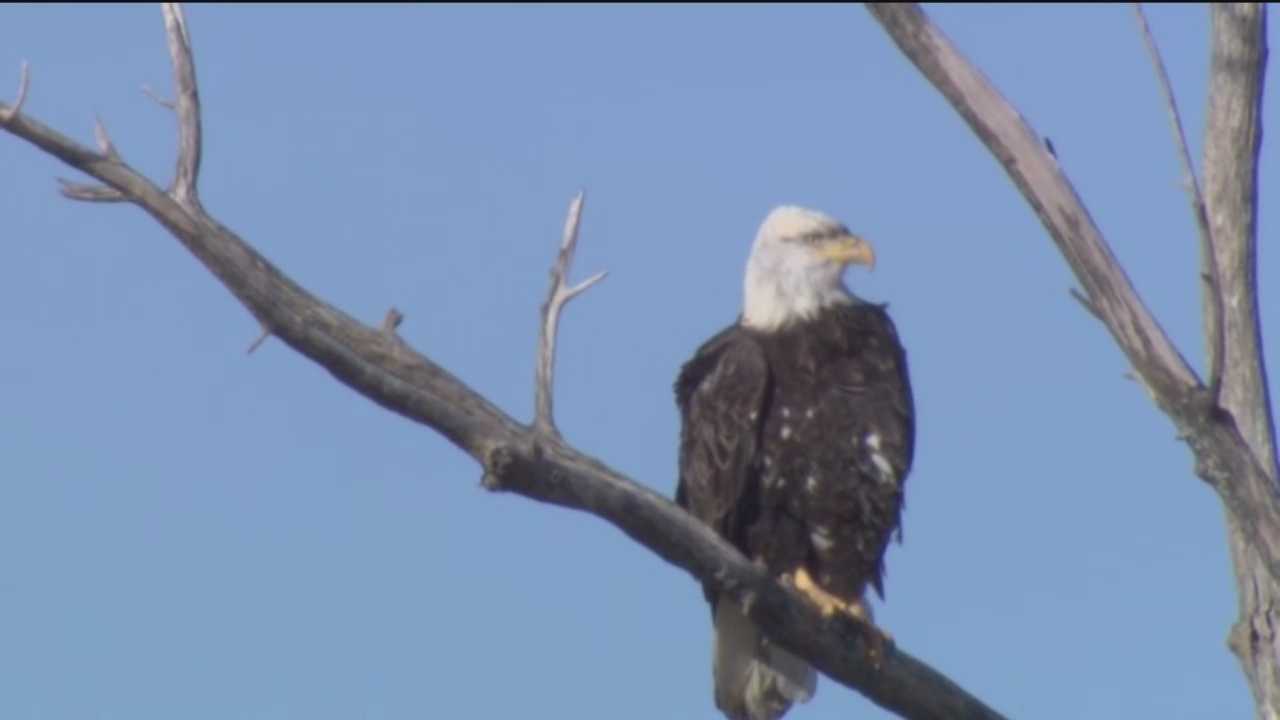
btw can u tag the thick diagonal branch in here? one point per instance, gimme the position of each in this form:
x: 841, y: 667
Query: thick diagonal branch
x: 383, y: 368
x: 1229, y: 429
x: 391, y: 374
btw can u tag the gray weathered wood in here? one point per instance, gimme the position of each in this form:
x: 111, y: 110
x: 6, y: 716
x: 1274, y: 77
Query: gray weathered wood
x: 1230, y: 432
x: 1233, y: 138
x: 515, y: 457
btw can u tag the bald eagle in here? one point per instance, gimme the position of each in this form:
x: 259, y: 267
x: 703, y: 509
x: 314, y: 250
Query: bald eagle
x: 797, y: 435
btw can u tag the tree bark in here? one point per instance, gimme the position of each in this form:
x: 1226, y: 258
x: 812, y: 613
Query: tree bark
x: 530, y: 460
x: 1233, y: 139
x: 1228, y: 426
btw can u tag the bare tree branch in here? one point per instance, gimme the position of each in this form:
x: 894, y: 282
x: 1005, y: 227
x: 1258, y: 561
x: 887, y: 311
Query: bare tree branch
x: 171, y: 105
x: 89, y: 193
x: 1087, y: 304
x: 392, y: 320
x: 85, y: 192
x: 1212, y: 283
x: 557, y: 297
x: 257, y: 342
x: 1039, y: 177
x: 186, y: 104
x: 515, y: 457
x: 24, y: 83
x: 1231, y: 435
x: 104, y: 140
x: 1222, y: 457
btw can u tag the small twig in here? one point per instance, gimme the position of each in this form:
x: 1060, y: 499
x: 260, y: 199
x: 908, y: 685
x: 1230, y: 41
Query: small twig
x: 146, y: 90
x: 1198, y: 211
x: 186, y: 104
x: 1088, y: 305
x: 89, y: 193
x: 104, y: 140
x: 560, y: 293
x: 266, y: 333
x: 392, y: 321
x: 24, y: 82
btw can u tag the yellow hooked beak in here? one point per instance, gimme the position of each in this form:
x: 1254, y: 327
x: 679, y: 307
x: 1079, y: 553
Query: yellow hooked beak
x: 849, y: 250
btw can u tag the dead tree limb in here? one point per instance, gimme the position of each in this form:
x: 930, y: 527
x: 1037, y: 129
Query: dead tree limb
x: 1212, y: 281
x: 1230, y: 434
x: 515, y: 457
x: 24, y: 84
x: 557, y: 297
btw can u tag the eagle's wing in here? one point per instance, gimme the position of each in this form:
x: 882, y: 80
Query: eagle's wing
x: 873, y: 374
x: 721, y: 394
x: 898, y: 399
x: 876, y: 372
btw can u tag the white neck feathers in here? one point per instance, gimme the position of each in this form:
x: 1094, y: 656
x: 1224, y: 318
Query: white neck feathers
x: 785, y: 284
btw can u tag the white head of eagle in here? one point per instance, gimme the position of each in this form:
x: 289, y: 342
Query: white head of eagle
x: 796, y: 267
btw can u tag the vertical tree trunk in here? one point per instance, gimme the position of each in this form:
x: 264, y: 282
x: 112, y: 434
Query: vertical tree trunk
x: 1233, y: 139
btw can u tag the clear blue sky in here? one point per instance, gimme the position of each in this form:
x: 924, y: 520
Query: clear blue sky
x: 189, y: 532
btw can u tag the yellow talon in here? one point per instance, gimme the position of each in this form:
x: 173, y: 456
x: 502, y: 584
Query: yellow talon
x: 827, y: 602
x: 878, y: 641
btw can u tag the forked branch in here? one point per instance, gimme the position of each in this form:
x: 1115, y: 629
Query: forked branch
x: 1228, y: 425
x: 1223, y: 459
x: 557, y: 297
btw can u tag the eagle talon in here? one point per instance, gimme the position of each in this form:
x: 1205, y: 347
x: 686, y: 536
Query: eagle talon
x: 879, y: 642
x: 828, y: 603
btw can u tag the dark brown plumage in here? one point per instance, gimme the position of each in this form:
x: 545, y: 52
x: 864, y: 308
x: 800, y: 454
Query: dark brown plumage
x: 776, y: 448
x: 797, y: 436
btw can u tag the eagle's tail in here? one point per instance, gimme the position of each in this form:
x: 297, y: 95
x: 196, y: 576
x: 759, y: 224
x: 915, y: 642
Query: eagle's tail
x: 755, y: 679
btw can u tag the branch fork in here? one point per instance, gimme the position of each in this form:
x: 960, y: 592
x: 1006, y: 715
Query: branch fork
x: 559, y: 295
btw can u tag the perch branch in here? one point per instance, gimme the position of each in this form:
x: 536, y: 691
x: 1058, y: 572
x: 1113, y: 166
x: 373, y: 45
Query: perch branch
x: 389, y: 372
x: 557, y: 297
x: 1212, y: 293
x: 1222, y: 456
